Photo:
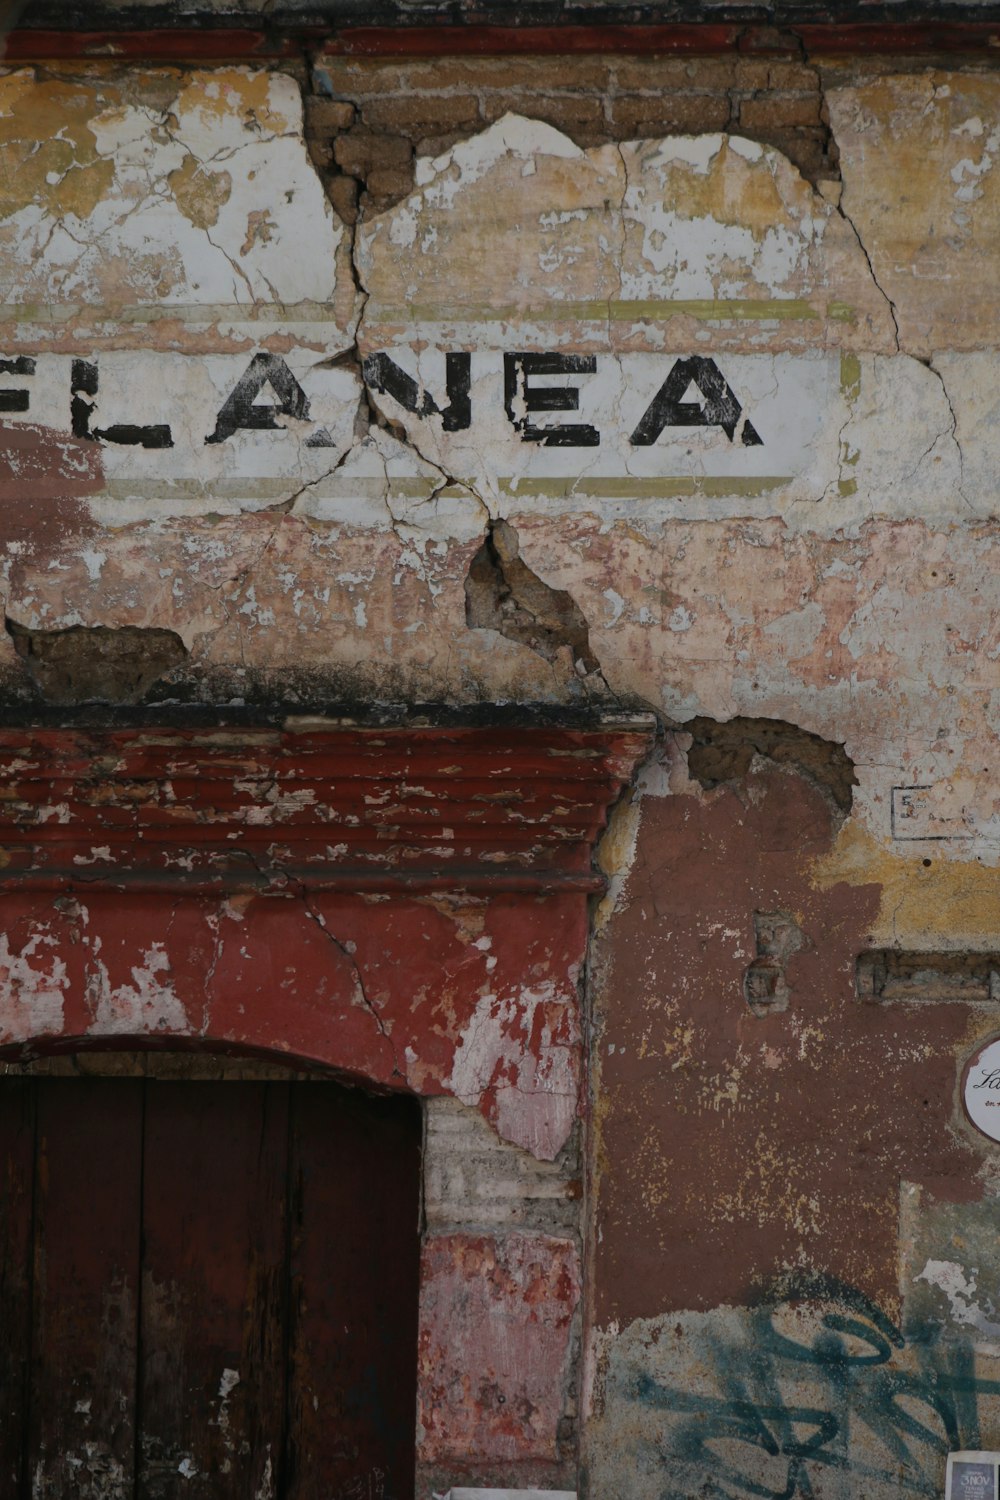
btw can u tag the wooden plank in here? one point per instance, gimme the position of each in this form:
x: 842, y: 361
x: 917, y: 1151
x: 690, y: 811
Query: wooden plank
x: 86, y: 1281
x: 214, y: 1295
x: 17, y: 1169
x: 355, y: 1276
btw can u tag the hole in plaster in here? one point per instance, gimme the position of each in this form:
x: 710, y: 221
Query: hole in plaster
x: 503, y: 594
x: 724, y: 752
x: 778, y: 938
x: 88, y: 663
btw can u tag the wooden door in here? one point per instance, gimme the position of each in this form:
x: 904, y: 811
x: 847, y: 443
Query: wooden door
x: 207, y: 1291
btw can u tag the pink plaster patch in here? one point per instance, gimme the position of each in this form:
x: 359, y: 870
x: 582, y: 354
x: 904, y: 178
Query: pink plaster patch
x: 495, y: 1345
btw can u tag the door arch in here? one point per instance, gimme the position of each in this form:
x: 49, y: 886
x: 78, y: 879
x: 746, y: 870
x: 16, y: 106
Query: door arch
x: 209, y: 1287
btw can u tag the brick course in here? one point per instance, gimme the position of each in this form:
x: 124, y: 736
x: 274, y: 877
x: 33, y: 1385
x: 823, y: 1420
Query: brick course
x: 384, y: 110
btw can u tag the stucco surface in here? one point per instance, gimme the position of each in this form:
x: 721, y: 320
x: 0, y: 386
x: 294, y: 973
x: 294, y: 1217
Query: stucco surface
x: 654, y: 424
x: 836, y: 572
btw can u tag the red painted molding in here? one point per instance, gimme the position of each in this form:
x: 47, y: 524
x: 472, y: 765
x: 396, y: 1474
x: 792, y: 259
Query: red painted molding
x: 430, y: 41
x: 231, y: 44
x: 206, y: 44
x: 912, y: 38
x: 329, y: 808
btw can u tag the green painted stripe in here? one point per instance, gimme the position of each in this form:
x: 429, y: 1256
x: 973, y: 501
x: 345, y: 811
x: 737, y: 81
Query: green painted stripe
x: 166, y: 312
x: 557, y: 487
x: 666, y: 487
x: 705, y: 309
x: 338, y: 488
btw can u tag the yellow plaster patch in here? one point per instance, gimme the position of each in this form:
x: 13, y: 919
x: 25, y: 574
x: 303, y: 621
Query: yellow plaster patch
x: 199, y: 193
x: 224, y: 92
x: 927, y: 900
x: 747, y: 200
x: 614, y: 855
x: 48, y: 152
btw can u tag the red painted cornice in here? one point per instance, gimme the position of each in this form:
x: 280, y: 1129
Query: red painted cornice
x: 314, y: 805
x: 245, y: 44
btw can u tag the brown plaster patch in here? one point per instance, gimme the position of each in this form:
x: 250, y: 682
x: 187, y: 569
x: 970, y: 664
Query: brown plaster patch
x: 745, y: 1145
x: 37, y: 462
x: 44, y: 477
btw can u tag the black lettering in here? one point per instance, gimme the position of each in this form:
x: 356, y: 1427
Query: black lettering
x: 83, y: 392
x: 385, y: 376
x: 16, y: 400
x: 720, y: 407
x: 83, y: 384
x: 238, y: 411
x: 520, y: 398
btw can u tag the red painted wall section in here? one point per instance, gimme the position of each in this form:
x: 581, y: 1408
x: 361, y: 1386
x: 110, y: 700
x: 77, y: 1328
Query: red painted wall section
x: 496, y: 1355
x: 473, y: 997
x: 409, y: 908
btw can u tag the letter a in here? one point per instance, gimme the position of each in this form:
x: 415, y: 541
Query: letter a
x: 238, y: 409
x: 720, y: 409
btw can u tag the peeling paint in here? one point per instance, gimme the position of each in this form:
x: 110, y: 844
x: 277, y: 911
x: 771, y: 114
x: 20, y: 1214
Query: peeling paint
x: 653, y: 424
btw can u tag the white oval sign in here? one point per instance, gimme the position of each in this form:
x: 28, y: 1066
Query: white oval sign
x: 982, y: 1090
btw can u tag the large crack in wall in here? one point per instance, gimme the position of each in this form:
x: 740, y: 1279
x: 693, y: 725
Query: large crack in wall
x: 551, y: 605
x: 503, y: 594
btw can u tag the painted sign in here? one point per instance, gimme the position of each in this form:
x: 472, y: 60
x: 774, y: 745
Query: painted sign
x: 666, y: 329
x: 556, y: 425
x: 981, y: 1090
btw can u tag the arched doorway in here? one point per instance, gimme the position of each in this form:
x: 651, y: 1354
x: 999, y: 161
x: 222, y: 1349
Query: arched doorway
x: 405, y: 907
x: 208, y: 1284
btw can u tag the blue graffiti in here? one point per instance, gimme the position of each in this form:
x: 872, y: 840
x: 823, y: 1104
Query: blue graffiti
x: 749, y: 1439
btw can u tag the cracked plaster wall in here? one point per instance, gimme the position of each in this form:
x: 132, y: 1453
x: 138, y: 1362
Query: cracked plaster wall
x: 837, y: 574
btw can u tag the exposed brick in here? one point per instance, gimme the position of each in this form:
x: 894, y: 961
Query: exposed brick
x: 364, y: 151
x: 474, y: 1178
x: 670, y: 115
x: 792, y: 75
x: 805, y: 149
x: 388, y: 183
x: 657, y: 73
x: 572, y: 113
x: 437, y: 145
x: 419, y: 115
x: 780, y: 112
x: 343, y: 194
x: 370, y: 78
x: 324, y: 116
x: 321, y: 153
x: 752, y: 74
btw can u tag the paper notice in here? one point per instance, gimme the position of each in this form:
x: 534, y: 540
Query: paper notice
x: 972, y: 1476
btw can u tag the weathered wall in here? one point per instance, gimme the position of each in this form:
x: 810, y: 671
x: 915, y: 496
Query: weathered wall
x: 664, y: 385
